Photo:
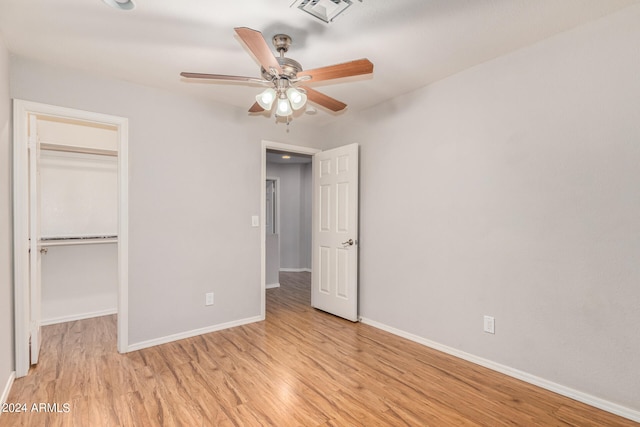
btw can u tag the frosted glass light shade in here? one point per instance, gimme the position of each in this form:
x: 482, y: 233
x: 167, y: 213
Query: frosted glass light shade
x: 297, y: 98
x: 266, y: 98
x: 284, y: 108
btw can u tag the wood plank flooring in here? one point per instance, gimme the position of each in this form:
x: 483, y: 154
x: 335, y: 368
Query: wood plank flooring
x: 301, y: 367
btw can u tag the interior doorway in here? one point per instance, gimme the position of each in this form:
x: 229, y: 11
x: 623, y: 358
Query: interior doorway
x: 288, y: 214
x: 104, y: 176
x: 289, y: 248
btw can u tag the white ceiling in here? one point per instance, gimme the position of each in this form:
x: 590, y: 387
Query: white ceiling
x: 411, y: 42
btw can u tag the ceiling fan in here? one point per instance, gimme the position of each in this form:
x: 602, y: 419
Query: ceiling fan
x: 284, y: 76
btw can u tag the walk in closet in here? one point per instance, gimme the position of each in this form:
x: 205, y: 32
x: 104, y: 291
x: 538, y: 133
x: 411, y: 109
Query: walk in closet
x: 78, y: 214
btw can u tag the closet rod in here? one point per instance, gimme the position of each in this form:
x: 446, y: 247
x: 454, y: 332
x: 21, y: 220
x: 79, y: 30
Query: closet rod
x: 69, y: 241
x: 73, y: 149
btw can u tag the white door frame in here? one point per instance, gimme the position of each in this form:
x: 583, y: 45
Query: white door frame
x: 35, y: 256
x: 271, y: 145
x: 21, y: 110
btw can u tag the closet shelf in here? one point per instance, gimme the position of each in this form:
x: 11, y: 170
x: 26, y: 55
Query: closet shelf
x: 48, y: 146
x: 67, y: 241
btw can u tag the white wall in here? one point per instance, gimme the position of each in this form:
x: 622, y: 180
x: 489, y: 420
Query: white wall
x: 79, y: 281
x: 78, y: 195
x: 295, y: 213
x: 6, y: 234
x: 190, y: 226
x: 512, y: 190
x: 72, y: 133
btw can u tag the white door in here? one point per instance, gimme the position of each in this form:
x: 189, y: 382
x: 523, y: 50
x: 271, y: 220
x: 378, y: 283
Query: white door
x: 35, y: 256
x: 335, y: 232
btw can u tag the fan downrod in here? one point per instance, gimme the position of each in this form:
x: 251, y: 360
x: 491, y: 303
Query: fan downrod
x: 290, y: 67
x: 281, y: 42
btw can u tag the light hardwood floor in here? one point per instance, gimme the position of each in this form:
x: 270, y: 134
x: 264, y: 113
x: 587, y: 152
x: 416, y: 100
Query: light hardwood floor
x: 301, y: 367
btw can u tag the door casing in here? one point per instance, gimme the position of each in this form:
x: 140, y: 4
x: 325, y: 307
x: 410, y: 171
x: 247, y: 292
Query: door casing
x: 35, y: 257
x: 22, y: 304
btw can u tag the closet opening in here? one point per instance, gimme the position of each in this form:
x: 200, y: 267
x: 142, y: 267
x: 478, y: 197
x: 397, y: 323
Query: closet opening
x: 70, y: 221
x: 78, y: 214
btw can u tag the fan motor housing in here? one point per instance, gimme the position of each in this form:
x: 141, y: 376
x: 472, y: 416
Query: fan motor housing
x: 290, y: 68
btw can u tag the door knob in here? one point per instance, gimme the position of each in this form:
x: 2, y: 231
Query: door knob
x: 348, y: 242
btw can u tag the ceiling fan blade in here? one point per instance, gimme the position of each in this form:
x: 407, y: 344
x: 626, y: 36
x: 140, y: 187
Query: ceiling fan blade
x: 259, y: 47
x: 324, y: 100
x: 256, y: 108
x: 217, y: 77
x: 347, y: 69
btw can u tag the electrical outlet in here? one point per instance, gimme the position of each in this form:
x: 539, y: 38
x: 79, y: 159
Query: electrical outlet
x: 490, y: 324
x: 209, y: 298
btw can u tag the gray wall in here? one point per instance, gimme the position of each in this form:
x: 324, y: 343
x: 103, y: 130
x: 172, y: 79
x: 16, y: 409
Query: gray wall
x: 512, y: 189
x: 190, y: 226
x: 295, y: 213
x: 6, y: 233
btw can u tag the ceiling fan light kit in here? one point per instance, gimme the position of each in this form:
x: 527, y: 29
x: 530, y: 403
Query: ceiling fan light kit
x: 282, y: 74
x: 297, y: 98
x: 284, y: 108
x: 266, y: 98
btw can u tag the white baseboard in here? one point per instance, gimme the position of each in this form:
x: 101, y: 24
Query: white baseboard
x: 192, y: 333
x: 7, y: 389
x: 272, y: 285
x: 296, y: 270
x: 71, y: 318
x: 596, y: 402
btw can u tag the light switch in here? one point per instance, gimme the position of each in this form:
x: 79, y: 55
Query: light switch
x: 490, y: 324
x: 255, y: 221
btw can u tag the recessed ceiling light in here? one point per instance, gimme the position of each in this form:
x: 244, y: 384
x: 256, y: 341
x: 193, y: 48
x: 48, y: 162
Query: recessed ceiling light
x: 286, y: 157
x: 121, y: 4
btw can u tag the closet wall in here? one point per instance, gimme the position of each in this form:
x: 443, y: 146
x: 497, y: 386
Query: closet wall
x: 78, y: 207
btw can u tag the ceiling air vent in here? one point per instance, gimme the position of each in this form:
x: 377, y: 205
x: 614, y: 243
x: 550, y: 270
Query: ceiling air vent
x: 325, y: 10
